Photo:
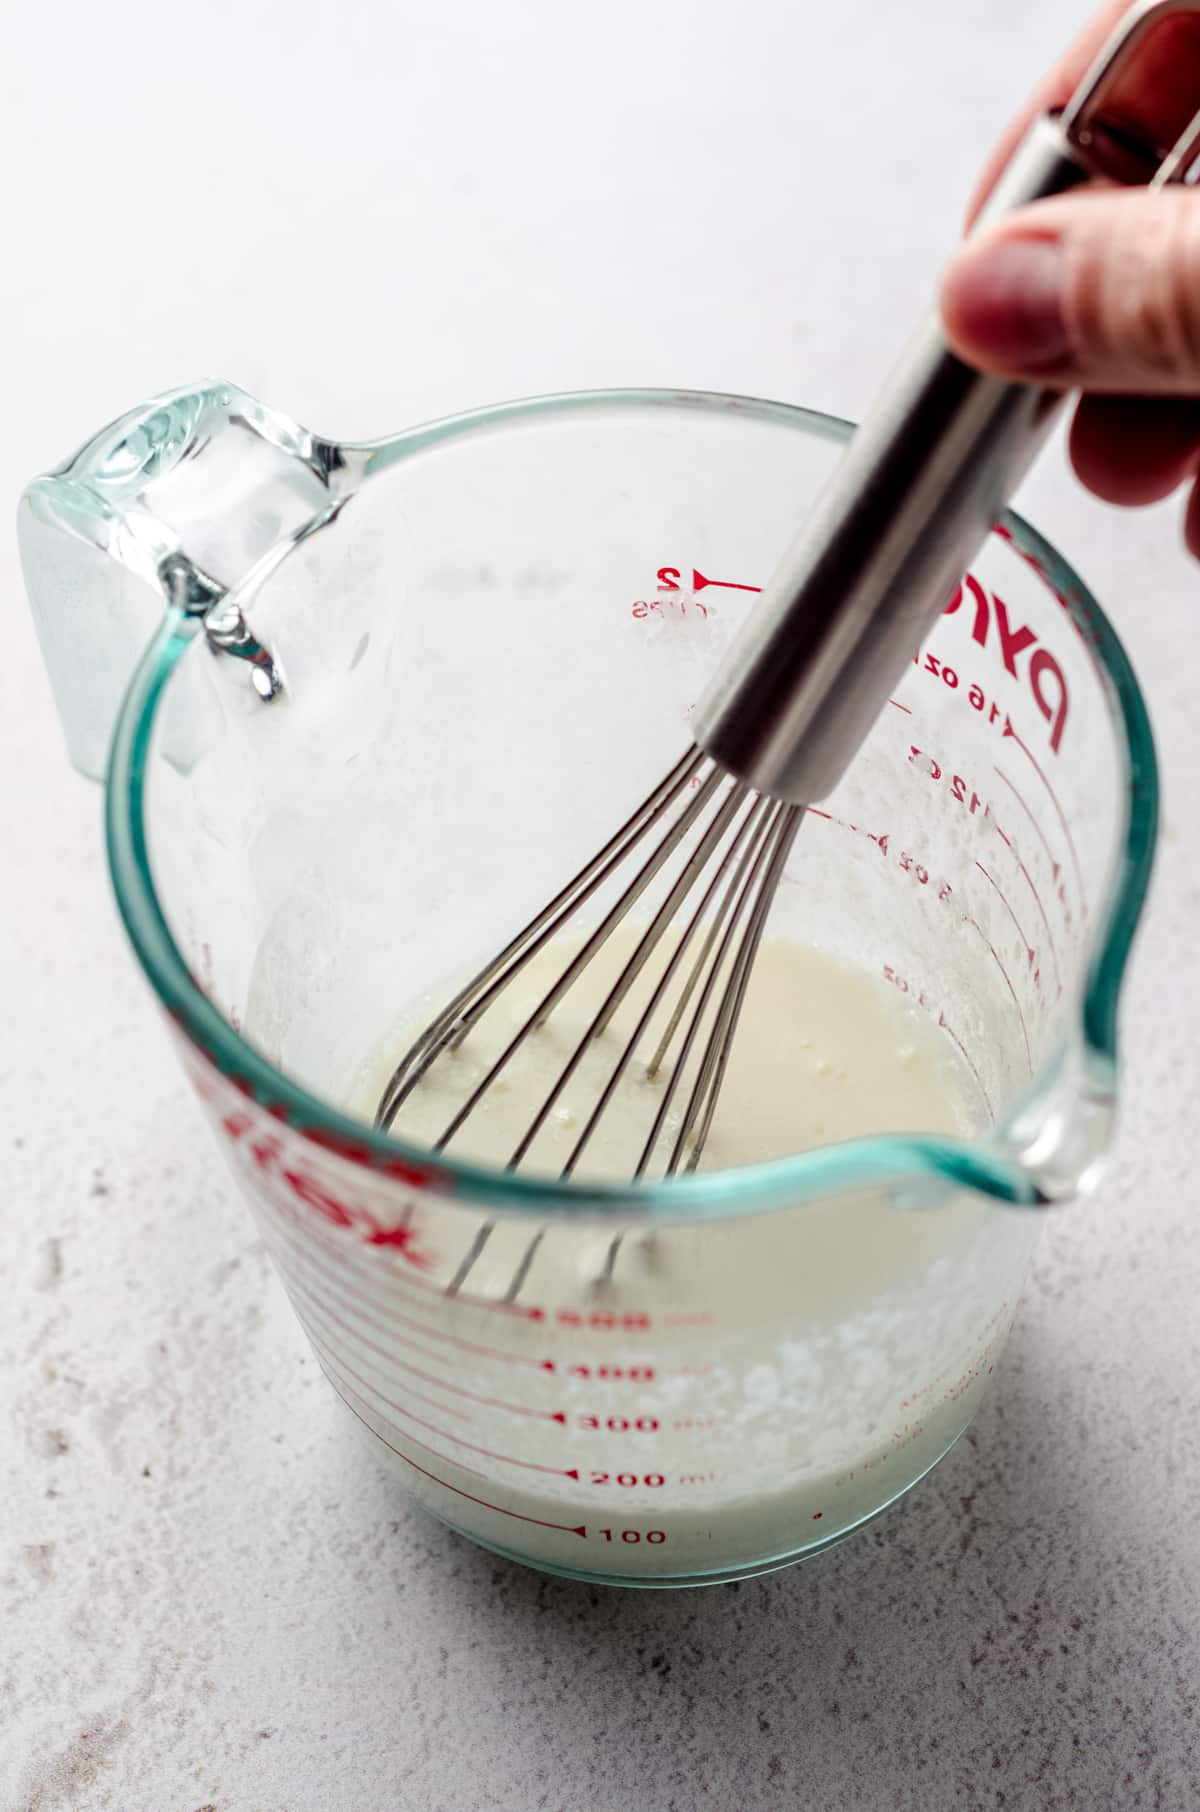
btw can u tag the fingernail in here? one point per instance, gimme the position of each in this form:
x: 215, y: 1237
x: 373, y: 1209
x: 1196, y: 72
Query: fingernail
x: 1002, y: 304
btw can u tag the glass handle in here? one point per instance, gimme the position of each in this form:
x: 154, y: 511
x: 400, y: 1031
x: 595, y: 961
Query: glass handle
x: 172, y: 505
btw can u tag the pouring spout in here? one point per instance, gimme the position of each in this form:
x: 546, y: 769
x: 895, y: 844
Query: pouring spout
x: 1062, y: 1135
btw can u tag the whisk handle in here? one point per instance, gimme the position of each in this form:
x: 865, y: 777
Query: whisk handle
x: 921, y: 484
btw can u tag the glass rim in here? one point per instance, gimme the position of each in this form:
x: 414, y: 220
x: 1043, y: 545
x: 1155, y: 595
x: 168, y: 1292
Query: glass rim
x: 986, y: 1165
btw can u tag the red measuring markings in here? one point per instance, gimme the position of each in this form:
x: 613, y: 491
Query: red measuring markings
x: 296, y: 1290
x: 344, y: 1368
x: 669, y: 578
x: 619, y: 1424
x: 973, y: 802
x: 1062, y: 818
x: 1056, y: 867
x: 425, y: 1285
x: 518, y: 1309
x: 925, y: 661
x: 357, y: 1300
x: 985, y: 1340
x: 508, y: 1459
x: 942, y: 890
x: 989, y: 710
x: 1030, y: 952
x: 457, y: 1390
x: 565, y: 1528
x: 612, y: 1424
x: 1041, y: 673
x: 945, y: 1026
x: 589, y: 1320
x: 598, y: 1321
x: 355, y: 1308
x: 925, y: 763
x: 278, y: 1154
x: 905, y: 987
x: 614, y: 1374
x: 593, y: 1321
x: 218, y: 1086
x: 627, y: 1480
x: 968, y: 920
x: 1011, y: 847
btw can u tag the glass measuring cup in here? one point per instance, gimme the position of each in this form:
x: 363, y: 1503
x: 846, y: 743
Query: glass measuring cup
x: 387, y: 697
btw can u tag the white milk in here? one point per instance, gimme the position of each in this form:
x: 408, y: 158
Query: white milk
x: 727, y: 1392
x: 823, y: 1053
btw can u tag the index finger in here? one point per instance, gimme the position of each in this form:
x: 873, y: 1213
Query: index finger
x: 1153, y: 99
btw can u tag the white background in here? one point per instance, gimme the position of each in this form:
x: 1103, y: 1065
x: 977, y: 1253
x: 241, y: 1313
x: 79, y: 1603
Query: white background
x: 208, y: 1598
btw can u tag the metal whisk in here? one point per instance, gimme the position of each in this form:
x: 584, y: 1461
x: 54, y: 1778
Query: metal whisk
x: 922, y: 483
x: 729, y: 845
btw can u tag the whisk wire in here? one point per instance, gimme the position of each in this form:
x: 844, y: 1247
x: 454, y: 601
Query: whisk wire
x: 468, y: 1005
x: 716, y: 1056
x: 762, y: 809
x: 652, y: 1006
x: 637, y: 962
x: 575, y: 968
x: 727, y: 875
x: 743, y: 896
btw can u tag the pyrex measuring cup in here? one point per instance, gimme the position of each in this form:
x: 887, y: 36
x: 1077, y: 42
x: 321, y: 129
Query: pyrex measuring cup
x: 388, y: 697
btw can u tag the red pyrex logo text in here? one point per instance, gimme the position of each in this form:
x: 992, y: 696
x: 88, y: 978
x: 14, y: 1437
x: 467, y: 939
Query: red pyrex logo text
x: 279, y: 1154
x: 267, y: 1152
x: 1045, y: 677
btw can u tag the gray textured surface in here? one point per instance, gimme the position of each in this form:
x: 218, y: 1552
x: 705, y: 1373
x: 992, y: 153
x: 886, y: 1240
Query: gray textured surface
x: 209, y: 1600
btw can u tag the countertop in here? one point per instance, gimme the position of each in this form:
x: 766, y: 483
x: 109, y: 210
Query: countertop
x: 210, y: 1599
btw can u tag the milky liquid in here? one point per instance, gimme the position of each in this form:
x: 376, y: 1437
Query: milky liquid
x: 823, y: 1053
x: 725, y: 1391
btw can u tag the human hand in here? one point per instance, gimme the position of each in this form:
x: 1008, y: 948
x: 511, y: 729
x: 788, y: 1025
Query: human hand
x: 1099, y: 289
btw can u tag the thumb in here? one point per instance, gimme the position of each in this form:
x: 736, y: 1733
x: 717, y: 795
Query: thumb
x: 1098, y: 290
